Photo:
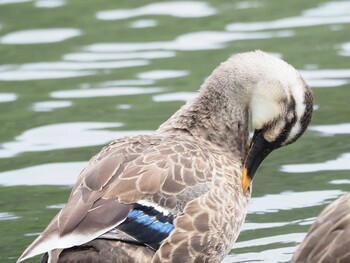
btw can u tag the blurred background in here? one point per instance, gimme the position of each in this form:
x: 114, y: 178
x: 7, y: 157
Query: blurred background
x: 76, y: 74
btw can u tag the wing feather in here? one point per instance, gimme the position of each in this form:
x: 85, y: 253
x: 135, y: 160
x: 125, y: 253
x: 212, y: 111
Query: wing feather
x: 128, y: 170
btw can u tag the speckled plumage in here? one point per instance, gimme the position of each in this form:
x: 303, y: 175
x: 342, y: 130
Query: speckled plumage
x: 188, y: 177
x: 329, y: 237
x: 190, y: 168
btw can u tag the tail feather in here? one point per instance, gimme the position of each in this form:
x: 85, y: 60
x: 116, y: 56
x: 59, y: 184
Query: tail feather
x: 99, y: 220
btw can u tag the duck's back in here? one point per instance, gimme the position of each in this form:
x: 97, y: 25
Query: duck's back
x: 166, y: 193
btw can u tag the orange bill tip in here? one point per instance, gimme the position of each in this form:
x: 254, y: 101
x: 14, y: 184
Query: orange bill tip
x: 246, y: 181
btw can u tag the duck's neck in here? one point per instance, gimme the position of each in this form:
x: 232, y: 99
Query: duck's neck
x: 219, y: 114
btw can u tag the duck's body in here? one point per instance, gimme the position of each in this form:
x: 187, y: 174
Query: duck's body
x: 329, y: 237
x: 177, y: 195
x: 188, y: 180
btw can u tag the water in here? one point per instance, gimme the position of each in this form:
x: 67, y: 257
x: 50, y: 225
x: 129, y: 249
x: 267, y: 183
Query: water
x: 75, y: 75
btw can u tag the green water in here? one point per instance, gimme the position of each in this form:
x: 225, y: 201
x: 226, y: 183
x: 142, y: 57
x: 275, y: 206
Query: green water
x: 308, y: 48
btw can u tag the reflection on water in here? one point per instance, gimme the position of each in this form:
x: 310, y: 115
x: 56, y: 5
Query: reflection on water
x: 283, y: 254
x: 83, y: 65
x: 326, y: 77
x: 6, y: 97
x: 340, y: 164
x: 326, y: 14
x: 83, y: 57
x: 288, y: 238
x: 162, y: 74
x: 49, y: 3
x: 191, y: 41
x: 291, y: 200
x: 329, y: 130
x: 345, y: 50
x: 254, y: 226
x: 57, y: 70
x: 39, y: 36
x: 57, y: 206
x: 8, y: 216
x: 51, y: 105
x: 339, y: 182
x: 23, y: 75
x: 63, y: 136
x: 127, y: 82
x: 144, y: 23
x: 44, y: 174
x: 102, y: 92
x: 176, y: 96
x: 249, y: 4
x: 124, y: 106
x: 37, y: 3
x: 4, y: 2
x: 177, y: 9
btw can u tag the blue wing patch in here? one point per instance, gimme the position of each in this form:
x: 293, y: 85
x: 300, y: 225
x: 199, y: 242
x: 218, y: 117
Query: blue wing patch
x: 147, y: 225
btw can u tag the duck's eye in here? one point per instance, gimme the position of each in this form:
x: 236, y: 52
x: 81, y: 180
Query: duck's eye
x: 266, y: 152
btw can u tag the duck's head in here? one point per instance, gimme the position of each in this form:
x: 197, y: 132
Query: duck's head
x: 281, y: 106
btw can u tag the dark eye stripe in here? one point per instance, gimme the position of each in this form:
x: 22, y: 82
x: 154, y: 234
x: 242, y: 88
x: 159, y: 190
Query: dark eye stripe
x: 306, y: 118
x: 288, y: 124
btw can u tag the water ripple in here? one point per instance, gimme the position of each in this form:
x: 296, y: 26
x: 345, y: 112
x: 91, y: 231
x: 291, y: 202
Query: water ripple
x: 162, y: 74
x: 5, y: 2
x: 51, y: 105
x: 291, y: 200
x: 253, y: 226
x: 326, y: 77
x: 330, y: 13
x: 286, y: 238
x: 39, y: 36
x: 333, y: 129
x: 58, y: 70
x: 184, y: 9
x: 24, y: 75
x: 342, y: 163
x: 248, y: 4
x: 144, y: 23
x: 275, y: 255
x: 203, y: 40
x: 103, y: 92
x: 83, y: 57
x: 8, y: 216
x: 55, y: 136
x: 7, y: 97
x: 341, y: 182
x: 83, y: 65
x: 44, y: 174
x: 49, y: 3
x: 176, y: 96
x: 345, y: 50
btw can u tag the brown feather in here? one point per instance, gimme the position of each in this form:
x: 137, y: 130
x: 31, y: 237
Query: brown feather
x: 191, y: 166
x: 329, y: 237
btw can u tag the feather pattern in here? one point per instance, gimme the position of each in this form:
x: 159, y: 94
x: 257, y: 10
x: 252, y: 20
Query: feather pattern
x: 147, y: 225
x: 90, y: 208
x: 328, y: 239
x: 177, y: 195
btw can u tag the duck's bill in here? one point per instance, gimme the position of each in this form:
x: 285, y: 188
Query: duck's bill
x: 258, y: 150
x: 246, y: 180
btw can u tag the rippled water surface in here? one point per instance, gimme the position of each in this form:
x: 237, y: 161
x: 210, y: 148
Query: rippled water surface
x: 74, y: 75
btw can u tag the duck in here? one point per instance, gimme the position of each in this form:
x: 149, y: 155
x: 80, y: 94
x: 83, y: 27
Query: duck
x: 181, y: 194
x: 328, y: 239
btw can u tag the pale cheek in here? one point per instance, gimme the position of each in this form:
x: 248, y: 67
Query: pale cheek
x: 263, y: 111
